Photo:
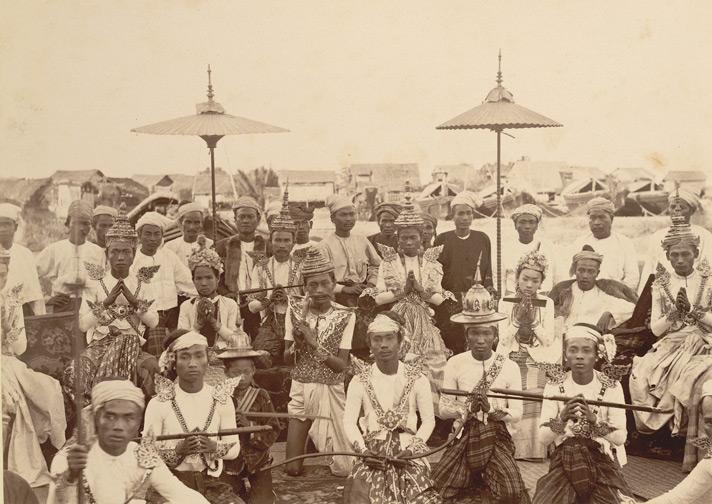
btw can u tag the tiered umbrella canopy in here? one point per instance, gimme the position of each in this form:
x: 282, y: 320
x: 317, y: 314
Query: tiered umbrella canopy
x: 497, y: 113
x: 210, y: 123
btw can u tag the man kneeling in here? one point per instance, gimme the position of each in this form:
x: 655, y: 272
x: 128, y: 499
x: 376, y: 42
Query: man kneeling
x: 390, y: 392
x: 112, y: 468
x: 583, y: 468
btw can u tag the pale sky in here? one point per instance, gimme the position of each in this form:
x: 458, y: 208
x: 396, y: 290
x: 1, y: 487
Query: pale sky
x: 353, y: 81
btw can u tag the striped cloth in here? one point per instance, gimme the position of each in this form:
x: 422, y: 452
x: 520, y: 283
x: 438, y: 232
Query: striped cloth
x: 526, y: 437
x: 581, y: 472
x: 483, y: 458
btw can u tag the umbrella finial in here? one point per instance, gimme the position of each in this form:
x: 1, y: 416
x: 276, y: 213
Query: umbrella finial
x: 210, y: 85
x: 499, y: 71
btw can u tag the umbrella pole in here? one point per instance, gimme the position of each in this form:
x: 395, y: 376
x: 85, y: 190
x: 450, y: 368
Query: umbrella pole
x: 212, y: 183
x: 77, y: 385
x: 499, y: 217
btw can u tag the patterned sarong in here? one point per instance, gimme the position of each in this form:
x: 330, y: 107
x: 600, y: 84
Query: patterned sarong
x: 482, y: 459
x: 581, y: 472
x: 410, y: 483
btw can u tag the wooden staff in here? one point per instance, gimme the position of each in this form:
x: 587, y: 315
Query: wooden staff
x: 526, y: 395
x: 78, y: 389
x: 255, y: 414
x: 226, y: 432
x: 265, y: 289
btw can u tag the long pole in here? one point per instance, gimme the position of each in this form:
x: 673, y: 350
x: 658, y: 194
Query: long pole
x: 212, y: 183
x: 499, y: 217
x: 78, y: 389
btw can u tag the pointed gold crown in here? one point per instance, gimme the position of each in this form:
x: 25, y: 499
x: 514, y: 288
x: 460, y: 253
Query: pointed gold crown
x: 408, y: 216
x: 122, y: 230
x: 283, y: 221
x: 680, y: 233
x: 203, y: 256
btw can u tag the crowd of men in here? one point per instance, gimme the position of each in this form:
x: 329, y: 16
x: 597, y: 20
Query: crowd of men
x: 397, y: 346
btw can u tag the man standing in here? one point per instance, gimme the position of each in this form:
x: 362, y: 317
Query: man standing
x: 112, y: 468
x: 526, y: 223
x: 318, y: 337
x: 238, y: 253
x: 681, y: 203
x: 482, y: 459
x: 386, y: 215
x: 466, y: 253
x: 187, y: 405
x: 281, y: 269
x: 171, y: 284
x: 302, y: 216
x: 620, y: 261
x: 354, y: 259
x: 190, y: 217
x: 23, y: 268
x: 102, y: 219
x: 587, y: 298
x: 115, y: 311
x: 63, y: 262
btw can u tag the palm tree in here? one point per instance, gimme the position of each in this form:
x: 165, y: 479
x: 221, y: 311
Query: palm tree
x: 253, y: 183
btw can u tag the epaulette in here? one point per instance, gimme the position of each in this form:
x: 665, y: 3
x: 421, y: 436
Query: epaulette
x: 257, y: 256
x: 223, y: 390
x: 662, y: 276
x: 416, y: 367
x: 555, y: 374
x: 359, y: 367
x: 704, y: 444
x: 387, y: 252
x: 704, y: 267
x: 299, y: 254
x: 147, y: 454
x: 145, y: 274
x: 165, y: 388
x: 262, y: 261
x: 433, y: 253
x: 611, y: 374
x: 94, y: 271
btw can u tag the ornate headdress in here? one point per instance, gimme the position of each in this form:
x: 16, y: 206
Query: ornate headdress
x: 409, y: 217
x: 605, y: 343
x: 122, y: 230
x: 203, y: 256
x: 534, y: 260
x: 316, y: 262
x: 283, y: 221
x: 478, y: 307
x: 680, y: 233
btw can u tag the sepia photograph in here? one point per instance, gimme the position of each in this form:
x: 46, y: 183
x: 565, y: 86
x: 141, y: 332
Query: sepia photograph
x: 356, y: 252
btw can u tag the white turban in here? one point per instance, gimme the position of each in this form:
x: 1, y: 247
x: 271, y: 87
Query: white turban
x: 153, y: 219
x: 527, y: 209
x: 187, y: 340
x: 273, y: 208
x: 110, y: 390
x: 602, y: 204
x: 247, y: 202
x: 466, y: 198
x: 687, y: 196
x: 10, y: 211
x: 188, y: 208
x: 605, y: 343
x: 105, y: 210
x: 337, y: 202
x: 383, y: 324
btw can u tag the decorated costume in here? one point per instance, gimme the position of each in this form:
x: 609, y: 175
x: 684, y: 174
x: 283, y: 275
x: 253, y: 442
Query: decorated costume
x: 32, y: 404
x: 389, y: 425
x: 527, y: 336
x: 414, y: 307
x: 271, y: 273
x: 316, y: 389
x: 253, y: 484
x: 174, y: 411
x: 481, y: 462
x: 122, y: 479
x: 114, y: 333
x: 669, y: 373
x: 586, y: 463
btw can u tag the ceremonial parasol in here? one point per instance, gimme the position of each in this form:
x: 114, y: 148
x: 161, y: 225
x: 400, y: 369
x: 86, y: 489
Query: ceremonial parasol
x: 210, y: 123
x: 497, y: 113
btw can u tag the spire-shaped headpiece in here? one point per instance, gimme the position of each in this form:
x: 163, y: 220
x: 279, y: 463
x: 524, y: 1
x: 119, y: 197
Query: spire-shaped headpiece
x: 122, y: 230
x: 283, y: 221
x: 409, y: 217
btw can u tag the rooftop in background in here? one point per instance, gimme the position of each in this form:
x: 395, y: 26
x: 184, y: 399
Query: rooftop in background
x: 548, y: 176
x: 633, y: 174
x: 685, y: 176
x: 306, y: 176
x: 386, y: 176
